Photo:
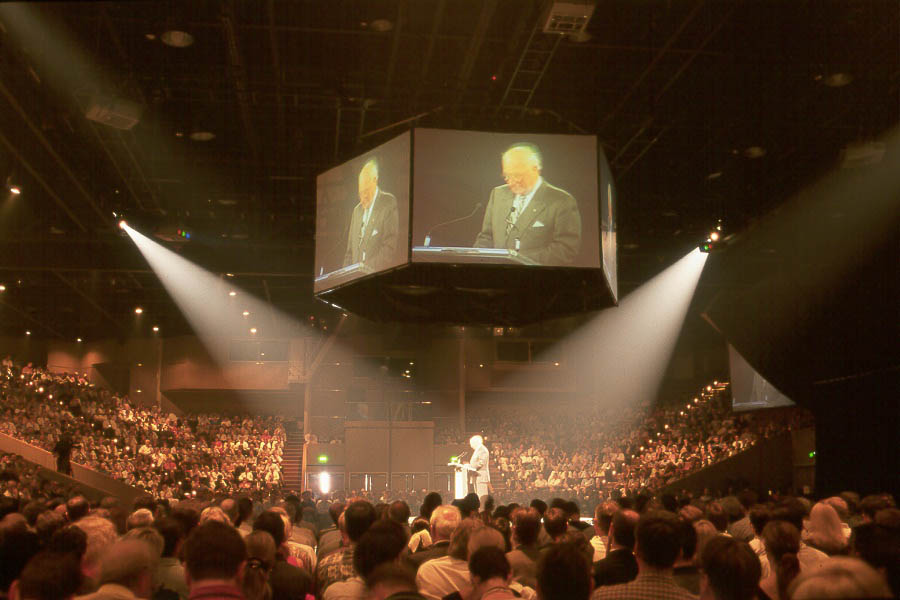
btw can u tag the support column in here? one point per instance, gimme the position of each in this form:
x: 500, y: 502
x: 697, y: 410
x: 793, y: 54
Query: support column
x: 461, y: 384
x: 307, y: 396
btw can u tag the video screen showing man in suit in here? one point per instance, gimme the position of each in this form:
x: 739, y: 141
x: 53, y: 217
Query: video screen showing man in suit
x: 528, y: 214
x: 362, y: 215
x: 506, y: 198
x: 372, y: 239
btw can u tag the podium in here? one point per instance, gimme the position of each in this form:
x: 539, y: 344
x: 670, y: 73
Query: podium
x: 460, y: 479
x: 453, y: 254
x: 341, y: 276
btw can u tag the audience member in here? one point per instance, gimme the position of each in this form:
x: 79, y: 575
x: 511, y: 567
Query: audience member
x: 381, y: 544
x: 730, y: 570
x: 260, y: 560
x: 213, y: 556
x: 126, y: 571
x: 439, y: 577
x: 523, y: 559
x: 169, y: 571
x: 338, y: 566
x: 563, y: 573
x: 824, y: 530
x: 685, y: 570
x: 444, y: 521
x: 657, y: 546
x: 48, y: 576
x: 392, y: 582
x: 782, y: 547
x: 620, y: 565
x: 839, y: 577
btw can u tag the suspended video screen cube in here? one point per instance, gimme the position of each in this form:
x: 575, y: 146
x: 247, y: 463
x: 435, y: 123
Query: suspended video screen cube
x: 468, y: 227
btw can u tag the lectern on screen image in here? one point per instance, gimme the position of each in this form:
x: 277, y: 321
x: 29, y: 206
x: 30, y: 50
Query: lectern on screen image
x: 362, y: 215
x: 518, y: 199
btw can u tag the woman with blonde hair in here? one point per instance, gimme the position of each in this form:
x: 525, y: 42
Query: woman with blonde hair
x: 824, y: 530
x: 705, y: 532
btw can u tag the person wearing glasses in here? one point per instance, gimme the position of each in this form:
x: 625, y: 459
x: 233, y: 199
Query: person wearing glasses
x: 527, y: 214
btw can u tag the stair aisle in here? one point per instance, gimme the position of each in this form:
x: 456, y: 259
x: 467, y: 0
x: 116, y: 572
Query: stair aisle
x: 291, y: 470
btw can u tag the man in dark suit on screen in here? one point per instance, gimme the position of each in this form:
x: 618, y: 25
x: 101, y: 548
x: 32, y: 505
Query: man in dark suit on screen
x: 538, y: 220
x: 372, y: 239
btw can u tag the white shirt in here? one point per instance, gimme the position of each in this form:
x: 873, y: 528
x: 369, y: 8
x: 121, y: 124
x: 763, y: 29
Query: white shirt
x: 520, y: 203
x: 368, y: 213
x: 441, y: 576
x: 351, y: 589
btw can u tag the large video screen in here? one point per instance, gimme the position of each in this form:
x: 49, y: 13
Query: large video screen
x: 749, y: 389
x: 362, y: 215
x: 519, y: 199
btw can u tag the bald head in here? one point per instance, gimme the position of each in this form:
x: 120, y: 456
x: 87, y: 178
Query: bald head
x: 368, y: 182
x: 521, y: 167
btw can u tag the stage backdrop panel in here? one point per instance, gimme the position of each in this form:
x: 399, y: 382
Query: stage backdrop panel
x: 408, y: 444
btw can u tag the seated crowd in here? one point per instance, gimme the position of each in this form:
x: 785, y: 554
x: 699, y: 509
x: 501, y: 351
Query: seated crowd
x: 590, y: 456
x: 144, y: 447
x: 734, y: 548
x: 622, y: 450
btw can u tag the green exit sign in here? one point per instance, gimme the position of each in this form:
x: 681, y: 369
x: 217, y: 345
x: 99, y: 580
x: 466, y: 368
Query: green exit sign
x: 812, y: 454
x: 454, y: 459
x: 323, y: 458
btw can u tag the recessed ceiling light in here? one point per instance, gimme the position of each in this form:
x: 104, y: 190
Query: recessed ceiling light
x: 839, y: 79
x: 381, y: 25
x: 579, y: 37
x: 755, y: 152
x: 177, y: 38
x: 155, y: 329
x: 138, y: 310
x: 202, y: 136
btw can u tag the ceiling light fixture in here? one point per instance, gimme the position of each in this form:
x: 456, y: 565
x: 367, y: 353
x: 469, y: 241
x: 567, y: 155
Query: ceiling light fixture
x: 138, y: 310
x: 155, y: 329
x: 176, y: 38
x: 837, y: 79
x: 754, y: 152
x: 381, y: 25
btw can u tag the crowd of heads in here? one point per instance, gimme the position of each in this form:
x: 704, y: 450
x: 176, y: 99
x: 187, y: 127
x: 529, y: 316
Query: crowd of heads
x: 778, y: 547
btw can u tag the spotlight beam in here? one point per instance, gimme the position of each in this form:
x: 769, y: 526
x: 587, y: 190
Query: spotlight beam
x: 205, y: 300
x: 622, y: 355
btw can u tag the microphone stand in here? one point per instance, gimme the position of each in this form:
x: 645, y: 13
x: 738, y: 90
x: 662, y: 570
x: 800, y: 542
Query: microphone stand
x: 450, y: 222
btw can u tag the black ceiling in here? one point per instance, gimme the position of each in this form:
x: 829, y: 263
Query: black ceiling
x: 677, y: 91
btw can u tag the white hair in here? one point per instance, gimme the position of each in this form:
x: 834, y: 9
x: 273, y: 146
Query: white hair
x: 476, y: 437
x: 532, y: 154
x: 372, y: 166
